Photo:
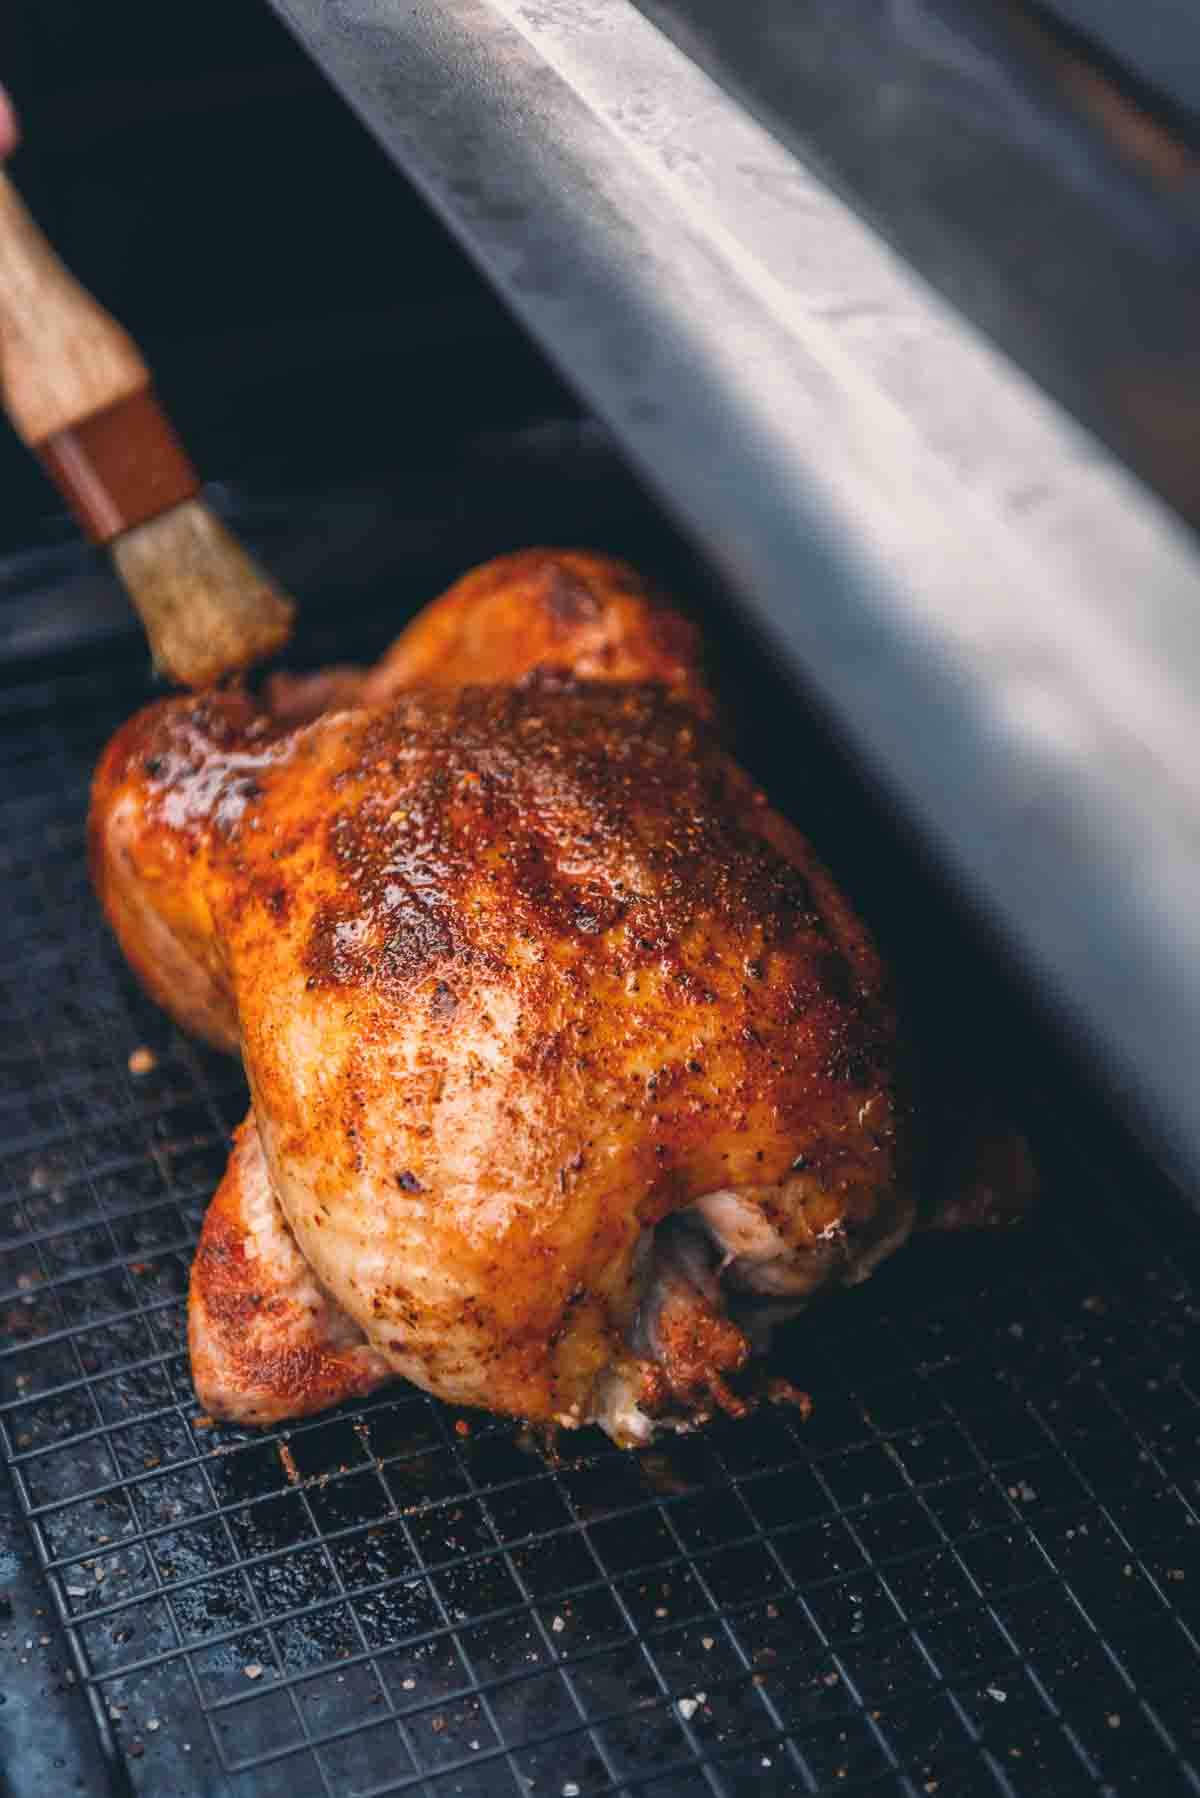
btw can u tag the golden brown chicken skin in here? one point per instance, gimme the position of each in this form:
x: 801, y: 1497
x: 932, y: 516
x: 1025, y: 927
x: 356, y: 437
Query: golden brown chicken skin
x: 590, y: 616
x: 266, y: 1342
x: 562, y: 1045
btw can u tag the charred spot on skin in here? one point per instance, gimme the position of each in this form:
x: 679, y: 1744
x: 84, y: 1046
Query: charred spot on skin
x: 569, y: 600
x: 850, y: 1064
x: 444, y: 1003
x: 573, y: 1299
x: 407, y: 1181
x: 568, y: 1172
x: 834, y: 976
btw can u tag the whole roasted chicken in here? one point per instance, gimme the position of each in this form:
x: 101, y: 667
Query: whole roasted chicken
x: 569, y: 1064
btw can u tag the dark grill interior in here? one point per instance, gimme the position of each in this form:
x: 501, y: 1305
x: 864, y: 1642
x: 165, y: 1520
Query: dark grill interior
x: 976, y: 1570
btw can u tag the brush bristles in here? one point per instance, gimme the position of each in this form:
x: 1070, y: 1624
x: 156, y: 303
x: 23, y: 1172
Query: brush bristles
x: 209, y: 610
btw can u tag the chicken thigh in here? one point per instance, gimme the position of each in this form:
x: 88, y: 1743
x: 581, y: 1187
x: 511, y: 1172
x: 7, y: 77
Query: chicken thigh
x: 567, y: 1059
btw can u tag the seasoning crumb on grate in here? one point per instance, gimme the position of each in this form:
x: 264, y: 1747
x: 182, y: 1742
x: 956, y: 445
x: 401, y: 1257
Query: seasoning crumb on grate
x: 153, y: 1723
x: 1114, y: 1721
x: 143, y: 1061
x: 995, y: 1693
x: 410, y: 1685
x: 255, y: 1670
x: 783, y: 1392
x: 570, y: 1790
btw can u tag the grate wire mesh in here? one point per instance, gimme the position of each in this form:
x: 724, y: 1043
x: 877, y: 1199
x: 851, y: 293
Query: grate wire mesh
x: 975, y: 1570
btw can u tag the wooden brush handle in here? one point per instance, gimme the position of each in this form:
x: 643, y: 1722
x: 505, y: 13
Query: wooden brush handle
x: 78, y: 392
x: 61, y: 356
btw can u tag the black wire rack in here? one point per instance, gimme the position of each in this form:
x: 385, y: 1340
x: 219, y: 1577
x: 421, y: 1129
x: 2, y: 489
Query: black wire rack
x: 974, y: 1570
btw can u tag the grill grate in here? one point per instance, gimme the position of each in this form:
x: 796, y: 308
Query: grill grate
x: 976, y: 1570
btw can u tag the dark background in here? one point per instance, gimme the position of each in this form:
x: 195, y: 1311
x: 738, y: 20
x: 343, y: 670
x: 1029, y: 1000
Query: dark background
x: 305, y: 318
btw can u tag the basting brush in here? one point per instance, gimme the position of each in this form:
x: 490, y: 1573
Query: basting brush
x: 79, y: 394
